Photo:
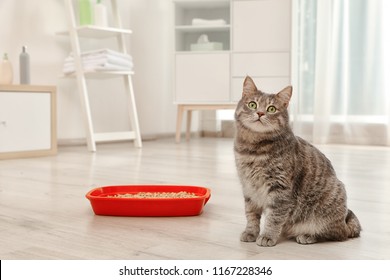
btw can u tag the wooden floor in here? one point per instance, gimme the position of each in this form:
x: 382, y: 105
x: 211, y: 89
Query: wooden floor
x: 44, y: 213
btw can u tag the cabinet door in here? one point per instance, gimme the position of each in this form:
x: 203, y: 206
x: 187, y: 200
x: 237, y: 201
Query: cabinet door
x: 202, y: 78
x: 261, y: 64
x: 261, y: 25
x: 265, y: 84
x: 25, y: 121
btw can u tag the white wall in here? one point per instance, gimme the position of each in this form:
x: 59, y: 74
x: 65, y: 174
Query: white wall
x: 35, y: 23
x: 152, y: 47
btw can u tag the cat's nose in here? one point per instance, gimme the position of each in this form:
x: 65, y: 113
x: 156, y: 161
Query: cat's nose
x: 260, y: 114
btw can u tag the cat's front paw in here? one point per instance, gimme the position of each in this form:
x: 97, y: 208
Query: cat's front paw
x: 265, y: 241
x: 248, y: 236
x: 305, y: 239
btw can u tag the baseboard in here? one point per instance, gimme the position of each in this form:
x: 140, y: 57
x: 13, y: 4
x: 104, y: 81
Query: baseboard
x: 72, y: 142
x: 144, y: 137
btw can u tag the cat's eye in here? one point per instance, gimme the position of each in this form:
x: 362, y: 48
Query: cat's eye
x: 271, y: 109
x: 252, y: 105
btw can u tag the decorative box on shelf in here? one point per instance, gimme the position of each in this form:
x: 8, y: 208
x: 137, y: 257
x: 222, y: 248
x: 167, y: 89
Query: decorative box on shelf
x: 28, y: 123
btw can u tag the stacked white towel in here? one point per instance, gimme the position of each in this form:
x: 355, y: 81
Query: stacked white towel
x: 100, y: 60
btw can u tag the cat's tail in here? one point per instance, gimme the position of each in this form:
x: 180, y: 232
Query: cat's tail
x: 353, y: 225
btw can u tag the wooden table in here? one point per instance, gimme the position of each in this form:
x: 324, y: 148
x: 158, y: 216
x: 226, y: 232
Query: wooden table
x: 195, y: 107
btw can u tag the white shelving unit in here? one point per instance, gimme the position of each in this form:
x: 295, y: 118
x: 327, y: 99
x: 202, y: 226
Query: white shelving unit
x: 187, y: 33
x: 75, y: 32
x: 201, y: 77
x: 256, y: 38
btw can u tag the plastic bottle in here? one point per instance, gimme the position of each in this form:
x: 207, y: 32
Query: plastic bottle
x: 85, y: 12
x: 24, y: 66
x: 100, y: 14
x: 6, y: 74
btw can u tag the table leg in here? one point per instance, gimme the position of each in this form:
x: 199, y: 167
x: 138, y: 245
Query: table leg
x: 180, y: 111
x: 189, y: 119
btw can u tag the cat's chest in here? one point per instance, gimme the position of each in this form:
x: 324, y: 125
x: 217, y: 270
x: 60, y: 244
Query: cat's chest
x: 258, y: 194
x: 252, y: 170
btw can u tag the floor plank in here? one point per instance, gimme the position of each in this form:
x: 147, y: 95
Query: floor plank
x: 44, y: 213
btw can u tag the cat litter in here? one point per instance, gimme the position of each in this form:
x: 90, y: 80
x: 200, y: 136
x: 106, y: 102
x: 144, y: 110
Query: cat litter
x: 181, y: 194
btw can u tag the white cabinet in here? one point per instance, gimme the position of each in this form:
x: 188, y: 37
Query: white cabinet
x: 267, y: 84
x: 269, y: 70
x: 269, y: 64
x: 210, y: 66
x: 261, y: 44
x: 206, y: 69
x: 27, y: 121
x: 263, y: 25
x: 256, y: 39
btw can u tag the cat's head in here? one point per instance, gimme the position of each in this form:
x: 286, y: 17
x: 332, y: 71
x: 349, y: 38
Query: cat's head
x: 261, y: 112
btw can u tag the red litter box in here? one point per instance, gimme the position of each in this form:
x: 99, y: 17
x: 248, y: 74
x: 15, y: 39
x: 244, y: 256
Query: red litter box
x: 104, y: 202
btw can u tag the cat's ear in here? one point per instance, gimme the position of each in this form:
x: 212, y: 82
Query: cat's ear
x: 285, y: 95
x: 249, y: 86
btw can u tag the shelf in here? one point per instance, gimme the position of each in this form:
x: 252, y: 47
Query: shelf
x: 92, y: 31
x: 114, y: 136
x: 188, y: 35
x: 212, y: 19
x: 83, y: 73
x: 202, y: 52
x: 202, y: 3
x: 101, y: 74
x: 202, y: 28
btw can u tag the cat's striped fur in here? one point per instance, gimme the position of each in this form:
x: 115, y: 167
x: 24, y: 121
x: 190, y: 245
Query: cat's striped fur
x: 290, y: 188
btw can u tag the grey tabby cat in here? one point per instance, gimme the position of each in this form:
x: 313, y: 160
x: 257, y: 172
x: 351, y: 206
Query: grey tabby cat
x: 290, y: 188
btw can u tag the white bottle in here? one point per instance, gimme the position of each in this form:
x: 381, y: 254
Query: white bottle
x: 24, y: 64
x: 6, y: 74
x: 100, y: 14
